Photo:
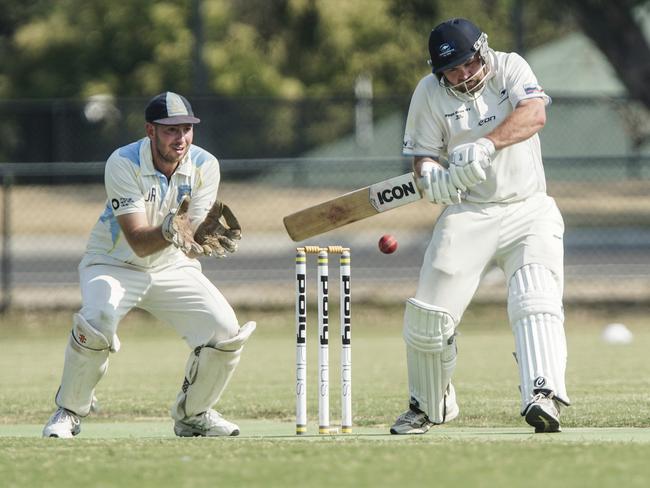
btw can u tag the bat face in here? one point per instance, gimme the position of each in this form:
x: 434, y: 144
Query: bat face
x: 394, y: 192
x: 337, y: 213
x: 353, y: 206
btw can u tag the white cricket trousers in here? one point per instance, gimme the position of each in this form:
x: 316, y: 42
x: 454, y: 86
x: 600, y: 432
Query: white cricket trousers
x: 470, y: 237
x: 179, y: 295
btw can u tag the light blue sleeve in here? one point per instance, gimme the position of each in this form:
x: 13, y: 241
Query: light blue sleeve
x: 121, y: 179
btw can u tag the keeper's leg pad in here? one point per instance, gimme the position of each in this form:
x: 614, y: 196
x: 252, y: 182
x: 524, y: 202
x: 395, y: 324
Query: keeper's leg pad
x: 431, y: 359
x: 208, y: 371
x: 537, y: 321
x: 86, y: 361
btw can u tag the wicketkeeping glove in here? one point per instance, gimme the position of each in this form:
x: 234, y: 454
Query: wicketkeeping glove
x: 177, y: 230
x: 217, y: 237
x: 468, y: 162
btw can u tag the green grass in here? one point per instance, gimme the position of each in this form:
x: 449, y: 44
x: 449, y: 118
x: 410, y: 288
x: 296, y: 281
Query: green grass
x: 606, y: 439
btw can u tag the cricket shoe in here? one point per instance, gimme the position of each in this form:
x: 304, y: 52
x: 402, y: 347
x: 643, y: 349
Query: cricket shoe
x: 207, y: 424
x: 413, y: 421
x: 63, y: 423
x: 543, y: 412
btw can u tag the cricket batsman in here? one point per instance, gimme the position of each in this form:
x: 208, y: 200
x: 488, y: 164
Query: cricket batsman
x: 472, y: 129
x: 161, y: 214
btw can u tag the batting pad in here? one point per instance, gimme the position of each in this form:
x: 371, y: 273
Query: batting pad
x: 208, y: 371
x: 537, y: 321
x: 431, y: 359
x: 86, y: 362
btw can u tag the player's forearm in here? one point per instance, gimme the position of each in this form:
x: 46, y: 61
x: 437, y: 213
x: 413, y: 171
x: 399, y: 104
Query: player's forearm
x: 146, y: 241
x: 143, y: 238
x: 527, y: 119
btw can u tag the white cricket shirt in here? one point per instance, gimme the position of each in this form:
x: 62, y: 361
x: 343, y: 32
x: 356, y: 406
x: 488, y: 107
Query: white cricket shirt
x: 438, y: 121
x: 134, y: 185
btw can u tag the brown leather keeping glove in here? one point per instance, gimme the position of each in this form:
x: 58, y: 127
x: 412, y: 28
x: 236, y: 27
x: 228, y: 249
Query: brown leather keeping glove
x: 176, y: 229
x: 216, y: 237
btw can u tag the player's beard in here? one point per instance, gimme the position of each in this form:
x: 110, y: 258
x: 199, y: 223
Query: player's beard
x: 473, y: 83
x: 167, y: 153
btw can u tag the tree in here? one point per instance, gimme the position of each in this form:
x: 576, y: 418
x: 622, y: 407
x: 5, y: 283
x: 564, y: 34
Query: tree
x: 613, y: 27
x: 281, y: 48
x: 289, y: 54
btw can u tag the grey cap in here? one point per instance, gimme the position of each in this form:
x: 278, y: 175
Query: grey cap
x: 170, y: 108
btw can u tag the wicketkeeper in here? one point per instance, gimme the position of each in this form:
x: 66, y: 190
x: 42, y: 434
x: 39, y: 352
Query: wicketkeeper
x: 472, y: 131
x: 161, y: 214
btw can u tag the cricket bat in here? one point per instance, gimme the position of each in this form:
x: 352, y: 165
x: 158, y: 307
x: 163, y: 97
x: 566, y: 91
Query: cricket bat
x: 351, y: 207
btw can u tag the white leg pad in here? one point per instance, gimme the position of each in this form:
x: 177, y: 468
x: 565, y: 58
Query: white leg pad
x: 236, y: 342
x: 208, y: 371
x: 537, y: 321
x: 431, y: 359
x: 86, y: 362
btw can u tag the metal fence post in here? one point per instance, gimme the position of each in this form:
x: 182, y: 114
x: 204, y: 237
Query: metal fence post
x: 7, y: 181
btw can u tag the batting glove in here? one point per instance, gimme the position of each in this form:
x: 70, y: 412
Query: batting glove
x: 468, y: 162
x: 437, y: 185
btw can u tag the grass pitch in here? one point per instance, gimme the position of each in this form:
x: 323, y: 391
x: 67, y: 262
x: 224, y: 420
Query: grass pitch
x: 605, y: 439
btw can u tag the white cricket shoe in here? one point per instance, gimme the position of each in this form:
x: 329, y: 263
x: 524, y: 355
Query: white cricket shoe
x: 207, y: 424
x: 411, y: 422
x: 63, y: 423
x: 543, y: 412
x: 415, y: 421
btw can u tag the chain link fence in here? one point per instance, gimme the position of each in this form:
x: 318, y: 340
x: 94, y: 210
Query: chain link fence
x: 598, y: 173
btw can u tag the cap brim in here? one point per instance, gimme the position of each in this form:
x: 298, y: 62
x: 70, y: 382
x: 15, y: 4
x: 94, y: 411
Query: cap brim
x: 455, y: 63
x: 178, y: 119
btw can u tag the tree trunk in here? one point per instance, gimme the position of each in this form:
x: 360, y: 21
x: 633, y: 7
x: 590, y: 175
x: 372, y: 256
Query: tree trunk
x: 612, y: 27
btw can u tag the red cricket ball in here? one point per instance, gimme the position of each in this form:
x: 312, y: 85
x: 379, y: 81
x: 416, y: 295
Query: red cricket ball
x: 387, y: 244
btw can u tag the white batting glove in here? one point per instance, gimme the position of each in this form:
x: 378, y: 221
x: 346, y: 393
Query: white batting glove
x: 468, y: 162
x: 436, y: 184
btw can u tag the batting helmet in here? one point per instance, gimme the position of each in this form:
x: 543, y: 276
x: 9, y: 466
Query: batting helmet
x: 454, y: 42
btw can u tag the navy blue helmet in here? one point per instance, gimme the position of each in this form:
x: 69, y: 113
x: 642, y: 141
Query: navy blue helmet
x: 454, y: 42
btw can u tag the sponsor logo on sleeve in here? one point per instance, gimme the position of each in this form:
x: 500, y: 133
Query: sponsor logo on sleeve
x: 532, y: 88
x: 122, y: 202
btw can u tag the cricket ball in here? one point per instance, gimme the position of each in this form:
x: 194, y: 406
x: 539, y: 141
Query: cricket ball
x: 387, y: 244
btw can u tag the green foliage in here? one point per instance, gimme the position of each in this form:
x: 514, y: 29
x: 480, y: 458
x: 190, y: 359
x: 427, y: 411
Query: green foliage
x: 279, y: 48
